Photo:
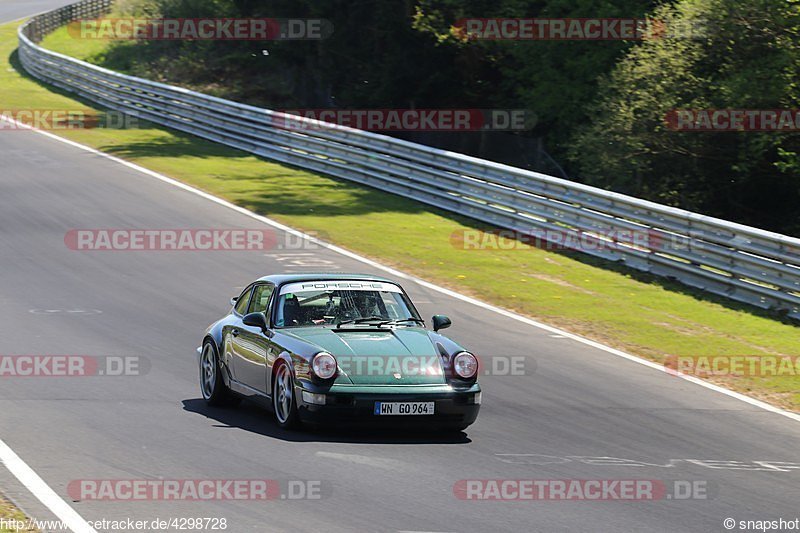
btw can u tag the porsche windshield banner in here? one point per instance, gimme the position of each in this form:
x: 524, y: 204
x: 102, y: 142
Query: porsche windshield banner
x: 339, y: 285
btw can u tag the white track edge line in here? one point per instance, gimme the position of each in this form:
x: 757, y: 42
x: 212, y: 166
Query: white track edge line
x: 25, y: 474
x: 453, y: 294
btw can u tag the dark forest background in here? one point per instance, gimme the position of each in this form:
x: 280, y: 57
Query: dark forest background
x: 600, y: 105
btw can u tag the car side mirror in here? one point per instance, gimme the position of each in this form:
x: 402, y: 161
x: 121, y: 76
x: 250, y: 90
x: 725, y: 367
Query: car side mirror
x: 256, y: 320
x: 234, y: 300
x: 440, y: 322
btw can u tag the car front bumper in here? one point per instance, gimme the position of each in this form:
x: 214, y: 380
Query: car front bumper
x: 352, y: 404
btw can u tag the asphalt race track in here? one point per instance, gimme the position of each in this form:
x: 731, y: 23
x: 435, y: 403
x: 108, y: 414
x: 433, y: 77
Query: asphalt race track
x: 15, y: 9
x: 572, y: 403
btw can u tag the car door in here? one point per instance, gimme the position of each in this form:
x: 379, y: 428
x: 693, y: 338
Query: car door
x: 232, y: 330
x: 252, y: 345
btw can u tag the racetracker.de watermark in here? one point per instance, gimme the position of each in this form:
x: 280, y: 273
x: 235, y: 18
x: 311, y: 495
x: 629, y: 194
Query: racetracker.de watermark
x: 197, y: 489
x: 455, y: 120
x: 431, y: 365
x: 201, y: 29
x: 734, y: 365
x: 185, y: 240
x: 640, y: 490
x: 122, y: 524
x: 54, y: 119
x: 397, y: 365
x: 72, y: 366
x: 567, y: 239
x: 576, y: 29
x: 726, y: 120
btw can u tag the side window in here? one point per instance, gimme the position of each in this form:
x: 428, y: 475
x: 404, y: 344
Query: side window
x: 244, y: 299
x: 260, y: 300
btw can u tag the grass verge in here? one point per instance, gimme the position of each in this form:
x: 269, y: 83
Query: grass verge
x: 10, y: 515
x: 641, y: 314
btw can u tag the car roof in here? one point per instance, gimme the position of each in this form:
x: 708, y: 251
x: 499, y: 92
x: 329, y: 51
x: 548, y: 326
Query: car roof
x: 280, y: 279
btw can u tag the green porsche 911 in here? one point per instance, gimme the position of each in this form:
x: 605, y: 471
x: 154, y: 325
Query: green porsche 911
x: 338, y: 348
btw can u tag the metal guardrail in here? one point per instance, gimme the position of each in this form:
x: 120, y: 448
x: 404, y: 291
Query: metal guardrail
x: 724, y: 258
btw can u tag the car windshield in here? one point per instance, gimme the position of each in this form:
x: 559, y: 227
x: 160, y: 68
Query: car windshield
x: 337, y: 303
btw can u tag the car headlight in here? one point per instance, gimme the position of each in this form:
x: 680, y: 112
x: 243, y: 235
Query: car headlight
x: 324, y: 365
x: 465, y: 365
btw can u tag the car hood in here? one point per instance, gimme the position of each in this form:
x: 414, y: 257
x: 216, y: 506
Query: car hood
x: 401, y: 356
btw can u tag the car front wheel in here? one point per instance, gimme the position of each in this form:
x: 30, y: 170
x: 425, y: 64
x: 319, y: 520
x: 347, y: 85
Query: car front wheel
x: 283, y: 400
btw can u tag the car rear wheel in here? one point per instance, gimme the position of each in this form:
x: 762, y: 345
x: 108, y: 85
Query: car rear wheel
x: 213, y: 387
x: 283, y: 400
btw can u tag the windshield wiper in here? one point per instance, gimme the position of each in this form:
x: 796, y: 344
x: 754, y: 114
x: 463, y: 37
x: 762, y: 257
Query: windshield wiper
x: 360, y: 320
x: 401, y: 320
x: 383, y: 322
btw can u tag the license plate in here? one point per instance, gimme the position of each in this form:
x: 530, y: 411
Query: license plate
x: 404, y: 408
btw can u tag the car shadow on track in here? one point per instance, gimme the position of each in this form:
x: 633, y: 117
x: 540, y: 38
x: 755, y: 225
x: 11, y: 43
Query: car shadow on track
x: 256, y: 419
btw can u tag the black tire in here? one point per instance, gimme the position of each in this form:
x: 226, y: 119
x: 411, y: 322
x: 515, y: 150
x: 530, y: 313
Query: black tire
x: 284, y: 402
x: 212, y: 385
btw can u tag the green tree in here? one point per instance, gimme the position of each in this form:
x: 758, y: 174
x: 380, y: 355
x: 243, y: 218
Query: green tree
x: 555, y: 79
x: 741, y: 54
